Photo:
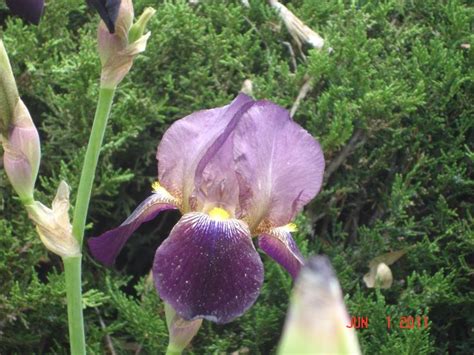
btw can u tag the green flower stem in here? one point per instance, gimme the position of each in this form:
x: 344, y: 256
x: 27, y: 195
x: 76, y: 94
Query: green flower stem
x: 72, y: 266
x: 106, y: 97
x: 173, y: 350
x: 72, y: 271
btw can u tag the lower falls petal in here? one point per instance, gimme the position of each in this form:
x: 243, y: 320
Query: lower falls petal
x: 208, y: 268
x: 106, y: 247
x: 280, y: 246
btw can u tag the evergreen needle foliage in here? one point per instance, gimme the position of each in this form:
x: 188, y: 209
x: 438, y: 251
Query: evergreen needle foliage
x: 391, y: 104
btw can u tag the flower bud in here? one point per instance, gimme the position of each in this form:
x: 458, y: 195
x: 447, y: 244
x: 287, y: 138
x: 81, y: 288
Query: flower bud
x: 138, y: 28
x: 53, y: 225
x: 18, y: 134
x: 181, y: 331
x: 317, y: 319
x: 22, y: 154
x: 117, y: 50
x: 8, y: 92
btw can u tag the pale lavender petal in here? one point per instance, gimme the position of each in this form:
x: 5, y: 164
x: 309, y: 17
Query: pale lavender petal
x: 30, y: 10
x: 185, y: 143
x: 208, y: 269
x: 280, y: 165
x: 216, y: 180
x: 280, y: 246
x: 106, y: 247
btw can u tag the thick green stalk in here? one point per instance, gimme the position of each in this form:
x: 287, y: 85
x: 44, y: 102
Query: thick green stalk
x: 173, y: 350
x: 72, y: 272
x: 72, y: 266
x: 106, y: 96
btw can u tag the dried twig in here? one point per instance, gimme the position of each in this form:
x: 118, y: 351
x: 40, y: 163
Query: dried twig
x: 298, y: 30
x: 301, y: 34
x: 305, y: 89
x: 357, y: 138
x: 108, y: 339
x: 292, y: 54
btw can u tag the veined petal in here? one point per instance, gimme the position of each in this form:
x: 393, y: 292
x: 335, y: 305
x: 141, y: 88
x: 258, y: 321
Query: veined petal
x: 280, y: 246
x: 216, y: 180
x: 30, y: 10
x: 279, y: 164
x: 208, y: 268
x: 186, y: 142
x: 106, y: 247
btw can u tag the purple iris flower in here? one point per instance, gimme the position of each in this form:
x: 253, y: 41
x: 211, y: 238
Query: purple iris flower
x: 235, y: 172
x: 30, y: 10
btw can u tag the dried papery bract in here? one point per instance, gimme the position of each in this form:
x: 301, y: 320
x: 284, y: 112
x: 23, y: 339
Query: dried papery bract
x: 380, y: 274
x: 117, y: 50
x: 298, y: 30
x: 53, y: 225
x: 382, y: 277
x: 317, y: 318
x: 247, y: 87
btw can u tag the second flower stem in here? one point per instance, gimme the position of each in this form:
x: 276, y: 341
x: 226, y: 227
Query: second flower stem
x: 106, y: 96
x: 72, y: 273
x: 72, y: 266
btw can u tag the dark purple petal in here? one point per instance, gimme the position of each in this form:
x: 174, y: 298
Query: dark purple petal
x: 279, y: 164
x: 281, y: 247
x: 106, y: 247
x: 108, y: 11
x: 208, y: 269
x: 29, y: 10
x: 186, y: 142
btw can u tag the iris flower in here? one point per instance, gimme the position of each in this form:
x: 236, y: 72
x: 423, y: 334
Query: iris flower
x: 235, y: 172
x: 30, y: 10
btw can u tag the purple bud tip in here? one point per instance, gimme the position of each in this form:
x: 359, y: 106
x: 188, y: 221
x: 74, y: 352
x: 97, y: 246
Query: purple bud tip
x: 108, y: 11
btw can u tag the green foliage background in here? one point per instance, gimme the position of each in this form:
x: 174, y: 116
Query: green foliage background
x: 393, y: 100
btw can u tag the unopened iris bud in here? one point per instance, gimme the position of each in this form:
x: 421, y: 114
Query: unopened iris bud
x: 18, y: 134
x: 139, y: 27
x: 117, y: 50
x: 317, y: 320
x: 181, y: 331
x: 8, y: 92
x: 22, y: 154
x: 53, y: 225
